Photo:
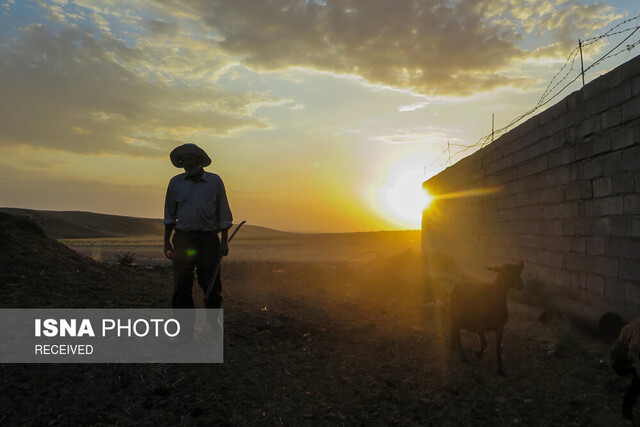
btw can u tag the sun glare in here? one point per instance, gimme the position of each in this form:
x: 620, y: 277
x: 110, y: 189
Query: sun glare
x: 403, y: 197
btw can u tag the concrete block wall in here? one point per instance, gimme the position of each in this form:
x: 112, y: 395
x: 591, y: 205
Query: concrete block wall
x: 561, y: 192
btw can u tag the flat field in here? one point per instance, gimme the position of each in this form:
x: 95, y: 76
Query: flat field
x: 263, y: 247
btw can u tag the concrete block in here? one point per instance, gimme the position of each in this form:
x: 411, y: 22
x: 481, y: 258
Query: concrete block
x: 555, y: 126
x: 524, y: 226
x: 630, y: 69
x: 573, y: 100
x: 532, y: 241
x: 559, y: 211
x: 615, y: 78
x: 623, y: 247
x: 607, y: 266
x: 578, y: 262
x: 581, y: 208
x: 635, y: 86
x: 527, y: 153
x: 613, y: 226
x: 623, y: 137
x: 594, y: 88
x: 592, y: 168
x: 553, y: 143
x: 631, y: 204
x: 578, y: 226
x: 561, y: 175
x: 631, y: 109
x: 630, y: 160
x: 557, y: 244
x: 614, y: 289
x: 611, y: 163
x: 580, y: 190
x: 595, y: 284
x: 570, y: 135
x: 602, y: 226
x: 583, y: 150
x: 590, y: 126
x: 635, y: 226
x: 554, y: 159
x: 582, y: 111
x: 602, y: 186
x: 507, y: 175
x: 559, y: 110
x: 632, y: 292
x: 600, y: 103
x: 577, y: 171
x: 601, y: 144
x: 533, y: 167
x: 595, y: 246
x: 524, y: 254
x: 623, y: 182
x: 629, y: 269
x: 550, y: 259
x: 611, y: 118
x: 613, y: 205
x: 620, y: 93
x: 594, y: 208
x: 551, y: 228
x: 568, y: 154
x: 583, y: 226
x: 578, y: 245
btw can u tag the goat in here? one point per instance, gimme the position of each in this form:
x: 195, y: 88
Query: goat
x: 625, y: 360
x: 480, y: 307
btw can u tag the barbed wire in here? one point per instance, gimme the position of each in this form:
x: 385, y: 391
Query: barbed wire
x: 550, y: 92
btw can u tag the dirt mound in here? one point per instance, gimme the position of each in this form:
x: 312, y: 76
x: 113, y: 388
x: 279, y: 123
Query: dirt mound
x: 37, y: 271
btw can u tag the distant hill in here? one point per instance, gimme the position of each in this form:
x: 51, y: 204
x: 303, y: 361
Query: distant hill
x: 78, y: 225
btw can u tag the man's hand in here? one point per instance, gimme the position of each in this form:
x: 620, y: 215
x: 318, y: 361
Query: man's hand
x: 168, y: 250
x: 224, y: 248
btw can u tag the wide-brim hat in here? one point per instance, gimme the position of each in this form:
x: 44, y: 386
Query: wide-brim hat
x: 191, y: 149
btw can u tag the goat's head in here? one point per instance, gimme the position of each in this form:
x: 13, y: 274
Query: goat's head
x: 509, y: 275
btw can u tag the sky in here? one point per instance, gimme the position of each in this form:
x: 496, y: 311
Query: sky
x: 319, y: 115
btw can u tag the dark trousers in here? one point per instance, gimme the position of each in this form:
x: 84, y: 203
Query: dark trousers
x: 199, y: 250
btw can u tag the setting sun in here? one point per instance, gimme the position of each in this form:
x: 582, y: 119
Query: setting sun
x: 403, y: 197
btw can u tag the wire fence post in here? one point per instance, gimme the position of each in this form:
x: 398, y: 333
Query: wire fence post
x: 493, y: 116
x: 581, y: 61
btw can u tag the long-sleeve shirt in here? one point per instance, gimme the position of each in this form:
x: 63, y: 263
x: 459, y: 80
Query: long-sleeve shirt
x: 197, y: 206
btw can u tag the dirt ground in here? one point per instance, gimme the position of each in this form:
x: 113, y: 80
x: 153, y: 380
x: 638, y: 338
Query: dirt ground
x: 306, y: 343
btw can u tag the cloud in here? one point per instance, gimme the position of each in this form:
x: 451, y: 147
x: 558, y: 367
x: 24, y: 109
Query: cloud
x: 413, y: 107
x: 429, y: 47
x: 425, y: 135
x: 437, y: 47
x: 72, y: 91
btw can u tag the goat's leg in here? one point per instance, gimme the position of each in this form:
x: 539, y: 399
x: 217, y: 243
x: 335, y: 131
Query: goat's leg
x: 456, y: 342
x: 499, y: 332
x: 483, y: 345
x: 630, y: 397
x: 452, y: 339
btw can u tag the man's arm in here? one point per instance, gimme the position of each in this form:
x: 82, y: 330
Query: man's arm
x: 169, y: 220
x: 168, y: 247
x: 225, y: 217
x: 224, y: 242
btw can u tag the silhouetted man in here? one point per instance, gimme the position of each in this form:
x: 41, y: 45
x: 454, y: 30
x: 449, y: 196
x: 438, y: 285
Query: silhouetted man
x: 196, y: 210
